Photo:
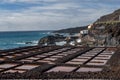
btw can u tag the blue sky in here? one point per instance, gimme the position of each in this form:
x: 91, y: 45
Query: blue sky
x: 20, y: 15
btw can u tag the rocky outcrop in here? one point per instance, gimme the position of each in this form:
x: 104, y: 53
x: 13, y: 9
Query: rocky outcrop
x: 48, y: 40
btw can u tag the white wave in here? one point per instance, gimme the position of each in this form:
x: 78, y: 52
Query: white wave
x: 34, y: 42
x: 61, y: 43
x: 20, y: 43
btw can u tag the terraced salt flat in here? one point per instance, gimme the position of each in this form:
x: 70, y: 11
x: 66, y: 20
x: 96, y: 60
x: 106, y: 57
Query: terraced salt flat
x: 74, y: 60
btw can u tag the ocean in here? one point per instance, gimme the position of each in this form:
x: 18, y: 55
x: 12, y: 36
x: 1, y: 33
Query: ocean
x: 10, y: 40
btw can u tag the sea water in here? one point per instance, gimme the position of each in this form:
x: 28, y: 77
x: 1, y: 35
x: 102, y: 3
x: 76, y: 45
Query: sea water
x: 9, y: 40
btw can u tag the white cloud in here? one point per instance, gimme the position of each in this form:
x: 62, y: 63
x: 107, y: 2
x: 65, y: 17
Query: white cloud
x: 51, y: 16
x: 26, y: 1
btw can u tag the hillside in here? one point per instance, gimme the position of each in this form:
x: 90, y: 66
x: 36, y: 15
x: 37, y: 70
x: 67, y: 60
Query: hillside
x: 71, y: 30
x: 115, y: 16
x: 110, y: 21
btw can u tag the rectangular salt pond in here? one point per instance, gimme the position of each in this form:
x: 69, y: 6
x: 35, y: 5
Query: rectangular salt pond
x: 61, y: 69
x: 53, y: 52
x: 7, y: 65
x: 71, y: 62
x: 45, y: 61
x: 13, y: 71
x: 9, y: 56
x: 83, y: 57
x: 86, y: 55
x: 97, y: 62
x: 102, y: 58
x: 32, y: 51
x: 3, y: 54
x: 62, y: 54
x: 57, y: 51
x: 56, y: 56
x: 88, y: 69
x: 32, y: 58
x: 107, y: 56
x: 1, y: 69
x: 47, y: 54
x: 79, y: 60
x: 39, y: 50
x: 40, y: 56
x: 105, y: 53
x: 72, y: 51
x: 18, y: 54
x: 51, y: 59
x: 26, y: 60
x: 1, y: 59
x: 109, y: 51
x: 25, y: 53
x: 27, y: 67
x: 65, y: 52
x: 92, y: 53
x: 12, y: 52
x: 77, y: 49
x: 64, y: 49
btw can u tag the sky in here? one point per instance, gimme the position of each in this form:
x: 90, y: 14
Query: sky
x: 28, y: 15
